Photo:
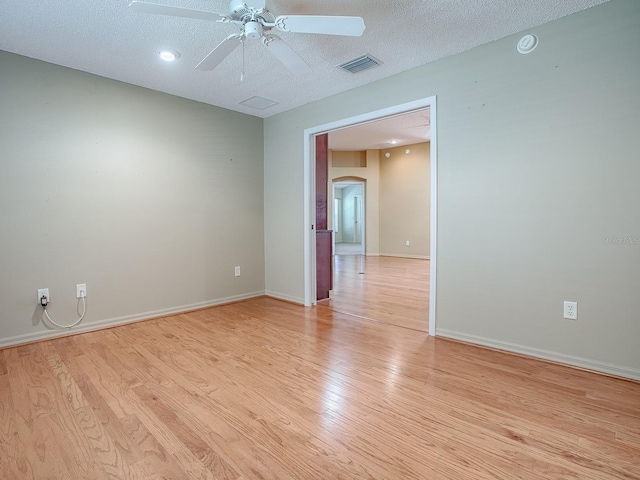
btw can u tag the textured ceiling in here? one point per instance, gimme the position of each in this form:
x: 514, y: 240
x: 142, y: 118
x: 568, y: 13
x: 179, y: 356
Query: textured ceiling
x: 106, y: 38
x: 389, y: 132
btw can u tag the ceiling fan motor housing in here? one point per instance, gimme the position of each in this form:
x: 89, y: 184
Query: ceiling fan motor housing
x: 252, y: 30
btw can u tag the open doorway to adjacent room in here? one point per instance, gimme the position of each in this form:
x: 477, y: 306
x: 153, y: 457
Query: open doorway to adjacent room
x: 348, y: 217
x: 388, y: 277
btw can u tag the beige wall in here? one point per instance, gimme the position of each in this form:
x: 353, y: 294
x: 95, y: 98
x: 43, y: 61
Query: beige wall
x: 538, y: 172
x: 151, y: 200
x: 348, y: 159
x: 405, y: 201
x: 398, y: 197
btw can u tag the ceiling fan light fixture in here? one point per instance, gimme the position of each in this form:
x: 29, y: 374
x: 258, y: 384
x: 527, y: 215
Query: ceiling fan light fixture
x: 169, y: 55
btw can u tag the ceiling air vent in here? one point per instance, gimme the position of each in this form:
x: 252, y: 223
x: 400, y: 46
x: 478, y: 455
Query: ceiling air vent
x: 361, y: 63
x: 258, y: 102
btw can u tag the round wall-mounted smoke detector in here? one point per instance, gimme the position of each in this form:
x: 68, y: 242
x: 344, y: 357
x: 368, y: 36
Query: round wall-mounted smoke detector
x: 527, y: 44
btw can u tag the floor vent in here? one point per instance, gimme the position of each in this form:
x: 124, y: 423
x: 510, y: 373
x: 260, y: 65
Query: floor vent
x: 361, y: 63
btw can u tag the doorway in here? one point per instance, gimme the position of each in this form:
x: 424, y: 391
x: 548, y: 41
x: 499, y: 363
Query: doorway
x: 348, y: 219
x: 309, y: 195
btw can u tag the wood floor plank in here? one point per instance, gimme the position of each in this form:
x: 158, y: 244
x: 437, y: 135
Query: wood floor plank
x: 12, y: 463
x: 6, y: 410
x: 19, y: 385
x: 109, y: 457
x: 155, y: 461
x: 3, y: 364
x: 193, y: 435
x: 43, y: 452
x: 106, y: 381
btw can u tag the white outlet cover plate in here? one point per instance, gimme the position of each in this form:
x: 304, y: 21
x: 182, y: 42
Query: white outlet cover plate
x: 571, y: 310
x: 45, y: 292
x: 80, y: 288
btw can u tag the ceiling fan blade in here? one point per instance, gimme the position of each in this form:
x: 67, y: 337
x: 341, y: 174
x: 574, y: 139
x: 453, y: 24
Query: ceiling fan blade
x: 255, y: 4
x: 157, y: 9
x: 288, y: 57
x: 219, y: 53
x: 328, y: 25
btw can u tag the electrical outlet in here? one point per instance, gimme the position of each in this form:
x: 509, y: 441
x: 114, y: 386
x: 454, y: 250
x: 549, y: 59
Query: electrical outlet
x: 45, y: 292
x: 81, y: 290
x: 571, y: 310
x: 237, y: 271
x: 407, y: 243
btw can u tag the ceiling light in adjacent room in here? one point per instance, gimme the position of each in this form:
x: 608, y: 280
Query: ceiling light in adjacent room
x: 407, y: 151
x: 393, y: 142
x: 387, y: 155
x: 169, y: 55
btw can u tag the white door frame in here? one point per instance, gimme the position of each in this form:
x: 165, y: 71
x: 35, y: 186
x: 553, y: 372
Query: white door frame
x: 361, y: 223
x: 310, y: 194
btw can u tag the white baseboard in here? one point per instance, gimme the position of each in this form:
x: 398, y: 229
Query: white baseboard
x: 286, y: 298
x: 602, y: 367
x: 112, y: 322
x: 419, y: 257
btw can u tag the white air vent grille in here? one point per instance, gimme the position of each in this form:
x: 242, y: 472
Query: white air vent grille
x: 361, y: 63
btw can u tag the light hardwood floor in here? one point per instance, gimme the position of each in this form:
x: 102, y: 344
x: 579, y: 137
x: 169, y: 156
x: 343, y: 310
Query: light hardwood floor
x: 390, y: 289
x: 345, y: 248
x: 268, y: 390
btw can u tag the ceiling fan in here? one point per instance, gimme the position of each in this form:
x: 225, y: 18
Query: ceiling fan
x: 255, y: 23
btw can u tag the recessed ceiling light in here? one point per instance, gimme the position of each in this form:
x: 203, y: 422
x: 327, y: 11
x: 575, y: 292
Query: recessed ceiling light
x: 407, y: 151
x: 169, y: 55
x: 393, y: 142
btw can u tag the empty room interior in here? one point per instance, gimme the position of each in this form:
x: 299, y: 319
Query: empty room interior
x: 193, y: 286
